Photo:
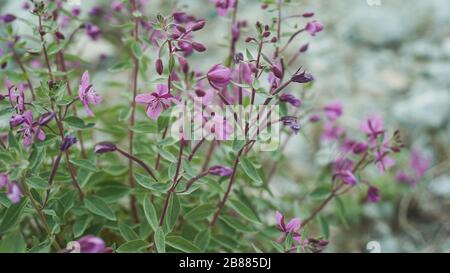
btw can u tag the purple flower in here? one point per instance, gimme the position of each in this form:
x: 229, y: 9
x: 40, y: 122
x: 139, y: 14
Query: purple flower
x: 67, y: 142
x: 105, y: 147
x: 157, y: 101
x: 343, y: 169
x: 87, y: 94
x: 373, y: 127
x: 373, y: 194
x: 93, y: 31
x: 75, y: 12
x: 45, y: 118
x: 218, y: 126
x: 419, y: 163
x: 16, y: 120
x: 314, y: 27
x: 16, y: 95
x: 245, y: 72
x: 292, y: 227
x: 331, y: 132
x: 220, y: 171
x: 224, y: 6
x: 3, y: 180
x: 30, y: 129
x: 92, y: 244
x: 290, y: 99
x: 302, y: 77
x: 117, y: 6
x: 383, y: 161
x: 219, y: 76
x: 8, y: 18
x: 333, y: 110
x: 13, y: 192
x: 12, y: 188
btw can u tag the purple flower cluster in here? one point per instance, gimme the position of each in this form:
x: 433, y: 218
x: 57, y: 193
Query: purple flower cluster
x: 12, y: 188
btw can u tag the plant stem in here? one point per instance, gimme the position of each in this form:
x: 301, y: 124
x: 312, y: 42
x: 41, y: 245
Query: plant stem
x: 44, y: 48
x: 51, y: 177
x: 140, y: 162
x: 41, y: 216
x: 62, y: 65
x: 135, y: 74
x: 228, y: 190
x: 174, y: 185
x: 232, y: 41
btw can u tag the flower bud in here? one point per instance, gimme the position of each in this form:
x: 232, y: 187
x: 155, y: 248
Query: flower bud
x: 67, y: 143
x: 302, y: 77
x: 198, y: 25
x: 159, y: 66
x: 59, y: 35
x: 198, y: 47
x: 46, y: 118
x: 219, y: 76
x: 104, y: 147
x: 220, y: 171
x: 184, y: 64
x: 304, y: 48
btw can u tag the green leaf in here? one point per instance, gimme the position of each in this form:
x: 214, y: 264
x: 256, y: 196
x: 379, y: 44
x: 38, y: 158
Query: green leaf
x: 12, y: 215
x: 99, y: 207
x: 199, y: 213
x: 325, y: 227
x: 80, y: 225
x: 127, y: 232
x: 121, y: 66
x: 251, y: 171
x: 160, y: 240
x: 236, y: 225
x: 181, y: 244
x: 173, y: 211
x: 13, y: 243
x: 321, y: 192
x: 203, y: 238
x: 243, y: 210
x: 38, y: 183
x: 54, y: 48
x: 12, y: 141
x: 171, y: 64
x: 135, y: 246
x: 150, y: 214
x: 85, y: 164
x: 77, y: 122
x: 136, y: 49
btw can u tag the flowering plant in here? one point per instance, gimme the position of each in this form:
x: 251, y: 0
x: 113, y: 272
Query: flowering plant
x: 114, y: 168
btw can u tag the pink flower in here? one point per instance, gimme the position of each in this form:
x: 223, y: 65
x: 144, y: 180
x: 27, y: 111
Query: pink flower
x: 292, y: 227
x: 30, y: 129
x: 13, y: 192
x: 331, y: 132
x: 219, y: 126
x: 373, y: 195
x: 3, y: 180
x: 157, y: 101
x: 383, y: 161
x: 343, y: 169
x: 16, y: 95
x: 87, y: 94
x: 220, y: 171
x: 117, y: 6
x: 419, y: 163
x: 314, y: 27
x: 245, y: 72
x: 373, y: 127
x: 333, y: 110
x: 12, y: 188
x: 219, y: 76
x: 92, y: 244
x: 224, y: 6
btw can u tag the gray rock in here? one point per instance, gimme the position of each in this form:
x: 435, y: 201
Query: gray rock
x: 428, y: 108
x: 440, y: 186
